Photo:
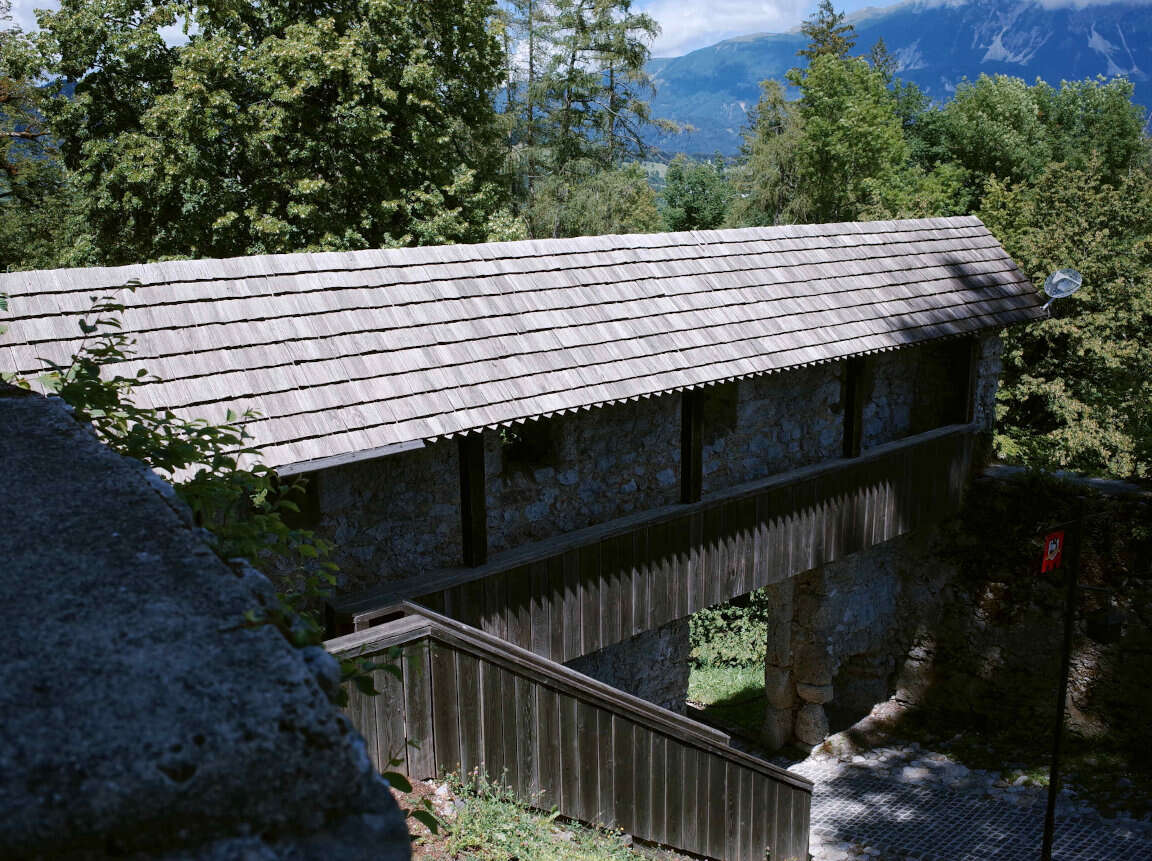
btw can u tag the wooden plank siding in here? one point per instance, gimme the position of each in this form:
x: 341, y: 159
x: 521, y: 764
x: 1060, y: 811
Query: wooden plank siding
x: 581, y: 592
x: 561, y: 740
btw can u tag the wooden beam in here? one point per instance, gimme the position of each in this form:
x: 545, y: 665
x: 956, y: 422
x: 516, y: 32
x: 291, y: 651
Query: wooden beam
x: 854, y: 377
x: 691, y: 445
x: 777, y: 503
x: 473, y: 506
x: 969, y: 413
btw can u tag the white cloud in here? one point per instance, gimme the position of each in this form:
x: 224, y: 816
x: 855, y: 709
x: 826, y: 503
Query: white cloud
x: 686, y: 26
x: 24, y: 11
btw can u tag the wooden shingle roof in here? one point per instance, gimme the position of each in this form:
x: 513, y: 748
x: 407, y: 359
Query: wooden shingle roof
x: 347, y: 355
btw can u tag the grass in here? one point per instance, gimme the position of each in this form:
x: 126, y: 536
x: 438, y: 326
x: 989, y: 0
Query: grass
x: 734, y: 695
x: 489, y: 824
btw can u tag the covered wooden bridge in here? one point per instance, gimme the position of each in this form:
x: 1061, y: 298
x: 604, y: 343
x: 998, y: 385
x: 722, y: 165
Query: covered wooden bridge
x: 357, y: 359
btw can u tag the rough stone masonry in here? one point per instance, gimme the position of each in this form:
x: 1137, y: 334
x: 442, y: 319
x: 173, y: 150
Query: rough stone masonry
x: 141, y: 716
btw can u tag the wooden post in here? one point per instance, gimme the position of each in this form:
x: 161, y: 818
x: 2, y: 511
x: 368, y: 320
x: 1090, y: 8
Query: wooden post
x: 969, y: 413
x: 853, y: 405
x: 473, y: 507
x: 691, y: 445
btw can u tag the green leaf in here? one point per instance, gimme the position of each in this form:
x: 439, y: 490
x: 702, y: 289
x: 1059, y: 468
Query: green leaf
x: 428, y: 819
x: 397, y: 780
x: 365, y: 686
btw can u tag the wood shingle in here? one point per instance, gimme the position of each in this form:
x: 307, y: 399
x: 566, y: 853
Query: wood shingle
x: 349, y: 354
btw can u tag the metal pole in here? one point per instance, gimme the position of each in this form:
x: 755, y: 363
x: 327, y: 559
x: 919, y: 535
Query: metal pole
x: 1071, y: 570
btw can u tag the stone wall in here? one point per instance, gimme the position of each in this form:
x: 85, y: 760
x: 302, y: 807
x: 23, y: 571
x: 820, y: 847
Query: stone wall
x: 652, y: 665
x: 915, y: 389
x: 991, y: 656
x: 762, y: 426
x: 554, y: 476
x: 397, y: 516
x: 837, y: 640
x: 989, y: 352
x: 392, y: 517
x: 958, y: 621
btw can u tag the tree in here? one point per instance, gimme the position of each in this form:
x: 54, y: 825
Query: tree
x: 618, y: 200
x: 852, y: 135
x: 993, y: 127
x: 274, y: 128
x: 576, y: 98
x: 525, y: 28
x: 39, y: 225
x: 828, y: 34
x: 769, y: 182
x: 918, y: 193
x: 1093, y: 120
x: 696, y: 195
x: 594, y: 81
x: 1076, y: 393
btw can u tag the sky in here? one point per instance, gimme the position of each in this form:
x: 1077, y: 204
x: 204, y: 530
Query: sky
x: 686, y: 24
x: 690, y: 24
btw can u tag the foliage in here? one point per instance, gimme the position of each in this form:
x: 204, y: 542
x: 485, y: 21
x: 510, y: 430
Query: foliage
x: 610, y: 201
x: 696, y: 195
x: 1076, y: 393
x: 1001, y: 127
x: 212, y: 467
x: 820, y: 158
x: 25, y: 147
x: 829, y: 35
x: 270, y: 130
x: 852, y: 136
x: 731, y: 635
x: 242, y: 504
x: 918, y: 193
x: 574, y: 101
x: 490, y: 824
x: 594, y: 81
x: 769, y: 184
x: 39, y: 226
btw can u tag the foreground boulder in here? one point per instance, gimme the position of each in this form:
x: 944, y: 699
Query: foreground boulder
x: 140, y: 716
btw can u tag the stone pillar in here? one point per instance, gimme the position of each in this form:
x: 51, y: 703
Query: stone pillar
x: 813, y: 662
x: 779, y: 687
x: 652, y: 665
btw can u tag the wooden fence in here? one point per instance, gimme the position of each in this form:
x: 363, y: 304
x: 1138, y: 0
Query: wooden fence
x: 586, y: 590
x: 469, y: 702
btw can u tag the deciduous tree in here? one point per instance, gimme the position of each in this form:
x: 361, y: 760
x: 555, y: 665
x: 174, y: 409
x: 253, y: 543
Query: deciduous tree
x: 696, y: 195
x: 1076, y: 392
x: 276, y: 127
x: 617, y: 200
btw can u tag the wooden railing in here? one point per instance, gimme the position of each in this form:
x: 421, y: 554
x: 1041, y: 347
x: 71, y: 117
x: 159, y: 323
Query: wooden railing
x: 585, y: 590
x: 469, y: 702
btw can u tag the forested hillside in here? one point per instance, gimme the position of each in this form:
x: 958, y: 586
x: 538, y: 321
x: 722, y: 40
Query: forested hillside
x: 390, y: 123
x: 934, y: 45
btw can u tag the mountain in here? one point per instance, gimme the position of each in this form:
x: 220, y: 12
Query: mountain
x: 936, y: 44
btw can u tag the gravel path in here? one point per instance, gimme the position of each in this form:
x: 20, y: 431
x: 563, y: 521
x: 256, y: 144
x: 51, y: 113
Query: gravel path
x: 901, y: 802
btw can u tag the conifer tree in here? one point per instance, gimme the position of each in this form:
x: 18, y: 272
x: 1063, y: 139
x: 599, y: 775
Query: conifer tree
x: 828, y: 33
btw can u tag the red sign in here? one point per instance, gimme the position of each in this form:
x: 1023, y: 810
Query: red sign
x: 1053, y: 551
